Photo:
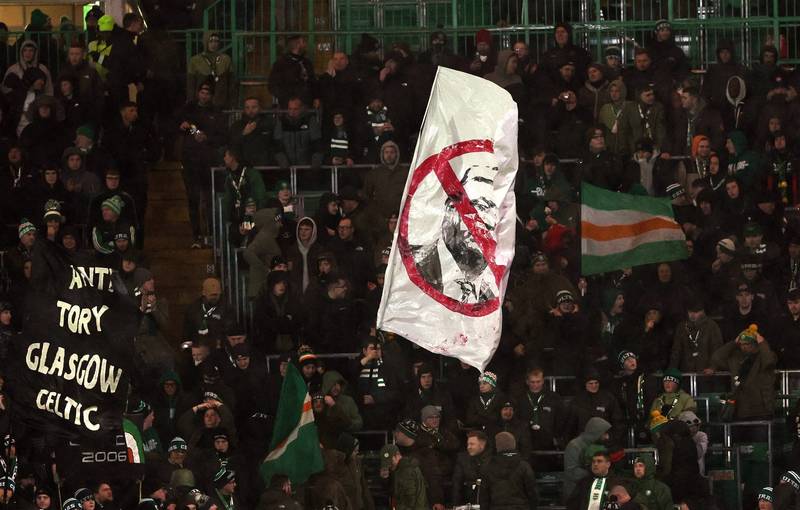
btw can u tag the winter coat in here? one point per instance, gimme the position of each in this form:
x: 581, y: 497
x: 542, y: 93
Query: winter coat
x: 276, y: 499
x: 602, y: 404
x: 553, y: 58
x: 651, y: 493
x: 292, y: 75
x: 517, y: 428
x: 436, y: 396
x: 674, y: 404
x: 693, y: 345
x: 678, y: 466
x: 408, y: 486
x: 261, y: 250
x: 744, y: 163
x: 89, y: 88
x: 593, y: 97
x: 545, y: 410
x: 704, y: 121
x: 755, y: 394
x: 508, y: 483
x: 467, y: 470
x: 215, y: 67
x: 649, y: 122
x: 209, y: 120
x: 483, y: 410
x: 19, y: 68
x: 242, y: 184
x: 441, y: 446
x: 384, y: 184
x: 297, y: 139
x: 625, y: 115
x: 574, y: 467
x: 257, y: 147
x: 345, y: 403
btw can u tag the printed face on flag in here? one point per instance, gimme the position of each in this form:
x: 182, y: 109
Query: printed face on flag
x: 455, y: 236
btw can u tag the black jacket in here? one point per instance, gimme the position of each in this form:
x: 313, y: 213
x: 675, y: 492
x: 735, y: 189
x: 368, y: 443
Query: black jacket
x: 508, y: 483
x: 465, y: 475
x: 546, y: 411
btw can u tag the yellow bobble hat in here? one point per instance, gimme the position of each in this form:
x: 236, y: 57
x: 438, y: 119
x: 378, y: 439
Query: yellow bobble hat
x: 657, y: 421
x: 748, y: 336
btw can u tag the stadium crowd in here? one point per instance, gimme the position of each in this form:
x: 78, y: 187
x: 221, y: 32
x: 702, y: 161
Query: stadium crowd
x: 79, y: 143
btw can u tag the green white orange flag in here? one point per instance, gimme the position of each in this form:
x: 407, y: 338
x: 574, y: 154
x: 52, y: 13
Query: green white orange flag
x: 619, y: 230
x: 133, y: 440
x: 294, y: 450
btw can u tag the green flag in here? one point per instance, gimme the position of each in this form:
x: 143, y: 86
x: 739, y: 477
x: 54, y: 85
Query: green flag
x: 294, y: 450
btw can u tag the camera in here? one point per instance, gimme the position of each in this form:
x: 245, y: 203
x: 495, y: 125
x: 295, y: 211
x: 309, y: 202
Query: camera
x: 565, y: 96
x: 193, y: 130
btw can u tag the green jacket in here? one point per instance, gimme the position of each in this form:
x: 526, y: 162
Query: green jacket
x: 755, y: 395
x: 745, y: 163
x: 650, y: 123
x: 408, y: 487
x: 626, y: 115
x: 241, y: 184
x: 653, y: 494
x: 684, y: 402
x: 215, y: 67
x: 346, y: 404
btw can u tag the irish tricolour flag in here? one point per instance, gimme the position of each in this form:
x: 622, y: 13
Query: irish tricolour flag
x: 619, y: 230
x: 294, y: 450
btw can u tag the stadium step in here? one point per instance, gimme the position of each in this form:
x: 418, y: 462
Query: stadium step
x: 178, y: 269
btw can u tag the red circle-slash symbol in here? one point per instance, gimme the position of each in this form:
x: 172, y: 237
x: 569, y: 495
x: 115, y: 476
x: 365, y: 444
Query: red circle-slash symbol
x: 440, y: 165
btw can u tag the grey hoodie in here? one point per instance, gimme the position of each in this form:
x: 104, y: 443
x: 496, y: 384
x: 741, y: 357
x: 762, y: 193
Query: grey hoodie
x: 19, y: 68
x: 574, y: 469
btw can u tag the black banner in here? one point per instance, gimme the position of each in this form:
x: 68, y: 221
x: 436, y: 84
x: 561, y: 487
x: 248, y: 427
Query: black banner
x: 71, y: 367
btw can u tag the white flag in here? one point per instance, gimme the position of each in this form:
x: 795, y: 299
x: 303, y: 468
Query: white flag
x: 454, y: 241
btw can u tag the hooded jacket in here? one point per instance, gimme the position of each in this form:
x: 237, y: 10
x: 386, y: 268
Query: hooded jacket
x: 345, y: 403
x: 302, y: 258
x: 211, y: 66
x: 19, y: 68
x: 716, y: 80
x: 261, y: 249
x: 499, y: 76
x: 574, y: 468
x: 384, y: 184
x: 623, y: 114
x: 651, y: 493
x: 552, y: 58
x: 744, y: 163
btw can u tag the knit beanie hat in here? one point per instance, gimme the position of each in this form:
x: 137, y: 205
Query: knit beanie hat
x: 85, y: 130
x: 727, y: 246
x: 429, y: 412
x: 483, y: 36
x: 114, y: 203
x: 613, y: 51
x: 672, y: 375
x: 25, y: 227
x: 657, y: 421
x: 564, y: 296
x: 8, y: 483
x: 52, y: 209
x: 71, y: 504
x: 675, y: 190
x: 346, y: 443
x: 83, y: 494
x: 663, y: 23
x: 749, y: 335
x: 792, y: 478
x: 624, y: 355
x: 505, y: 442
x: 489, y: 377
x: 766, y: 494
x: 223, y: 477
x: 408, y: 428
x: 177, y: 443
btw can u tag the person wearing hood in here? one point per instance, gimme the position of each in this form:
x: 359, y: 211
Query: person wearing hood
x: 781, y: 170
x: 595, y: 431
x: 29, y: 58
x: 619, y: 118
x: 506, y: 75
x: 600, y: 165
x: 439, y: 54
x: 595, y: 91
x: 743, y: 163
x: 83, y: 185
x: 651, y: 493
x: 279, y: 314
x: 695, y: 117
x: 695, y: 340
x: 645, y: 163
x: 76, y: 111
x: 668, y: 57
x: 89, y: 88
x: 212, y: 65
x: 565, y: 50
x: 384, y: 184
x: 508, y: 421
x: 327, y: 218
x: 715, y: 83
x: 111, y: 186
x: 427, y: 393
x: 48, y: 188
x: 261, y: 249
x: 293, y: 75
x: 333, y: 387
x: 341, y: 144
x: 484, y: 59
x: 301, y: 255
x: 508, y: 481
x: 43, y: 138
x: 760, y: 78
x: 566, y: 118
